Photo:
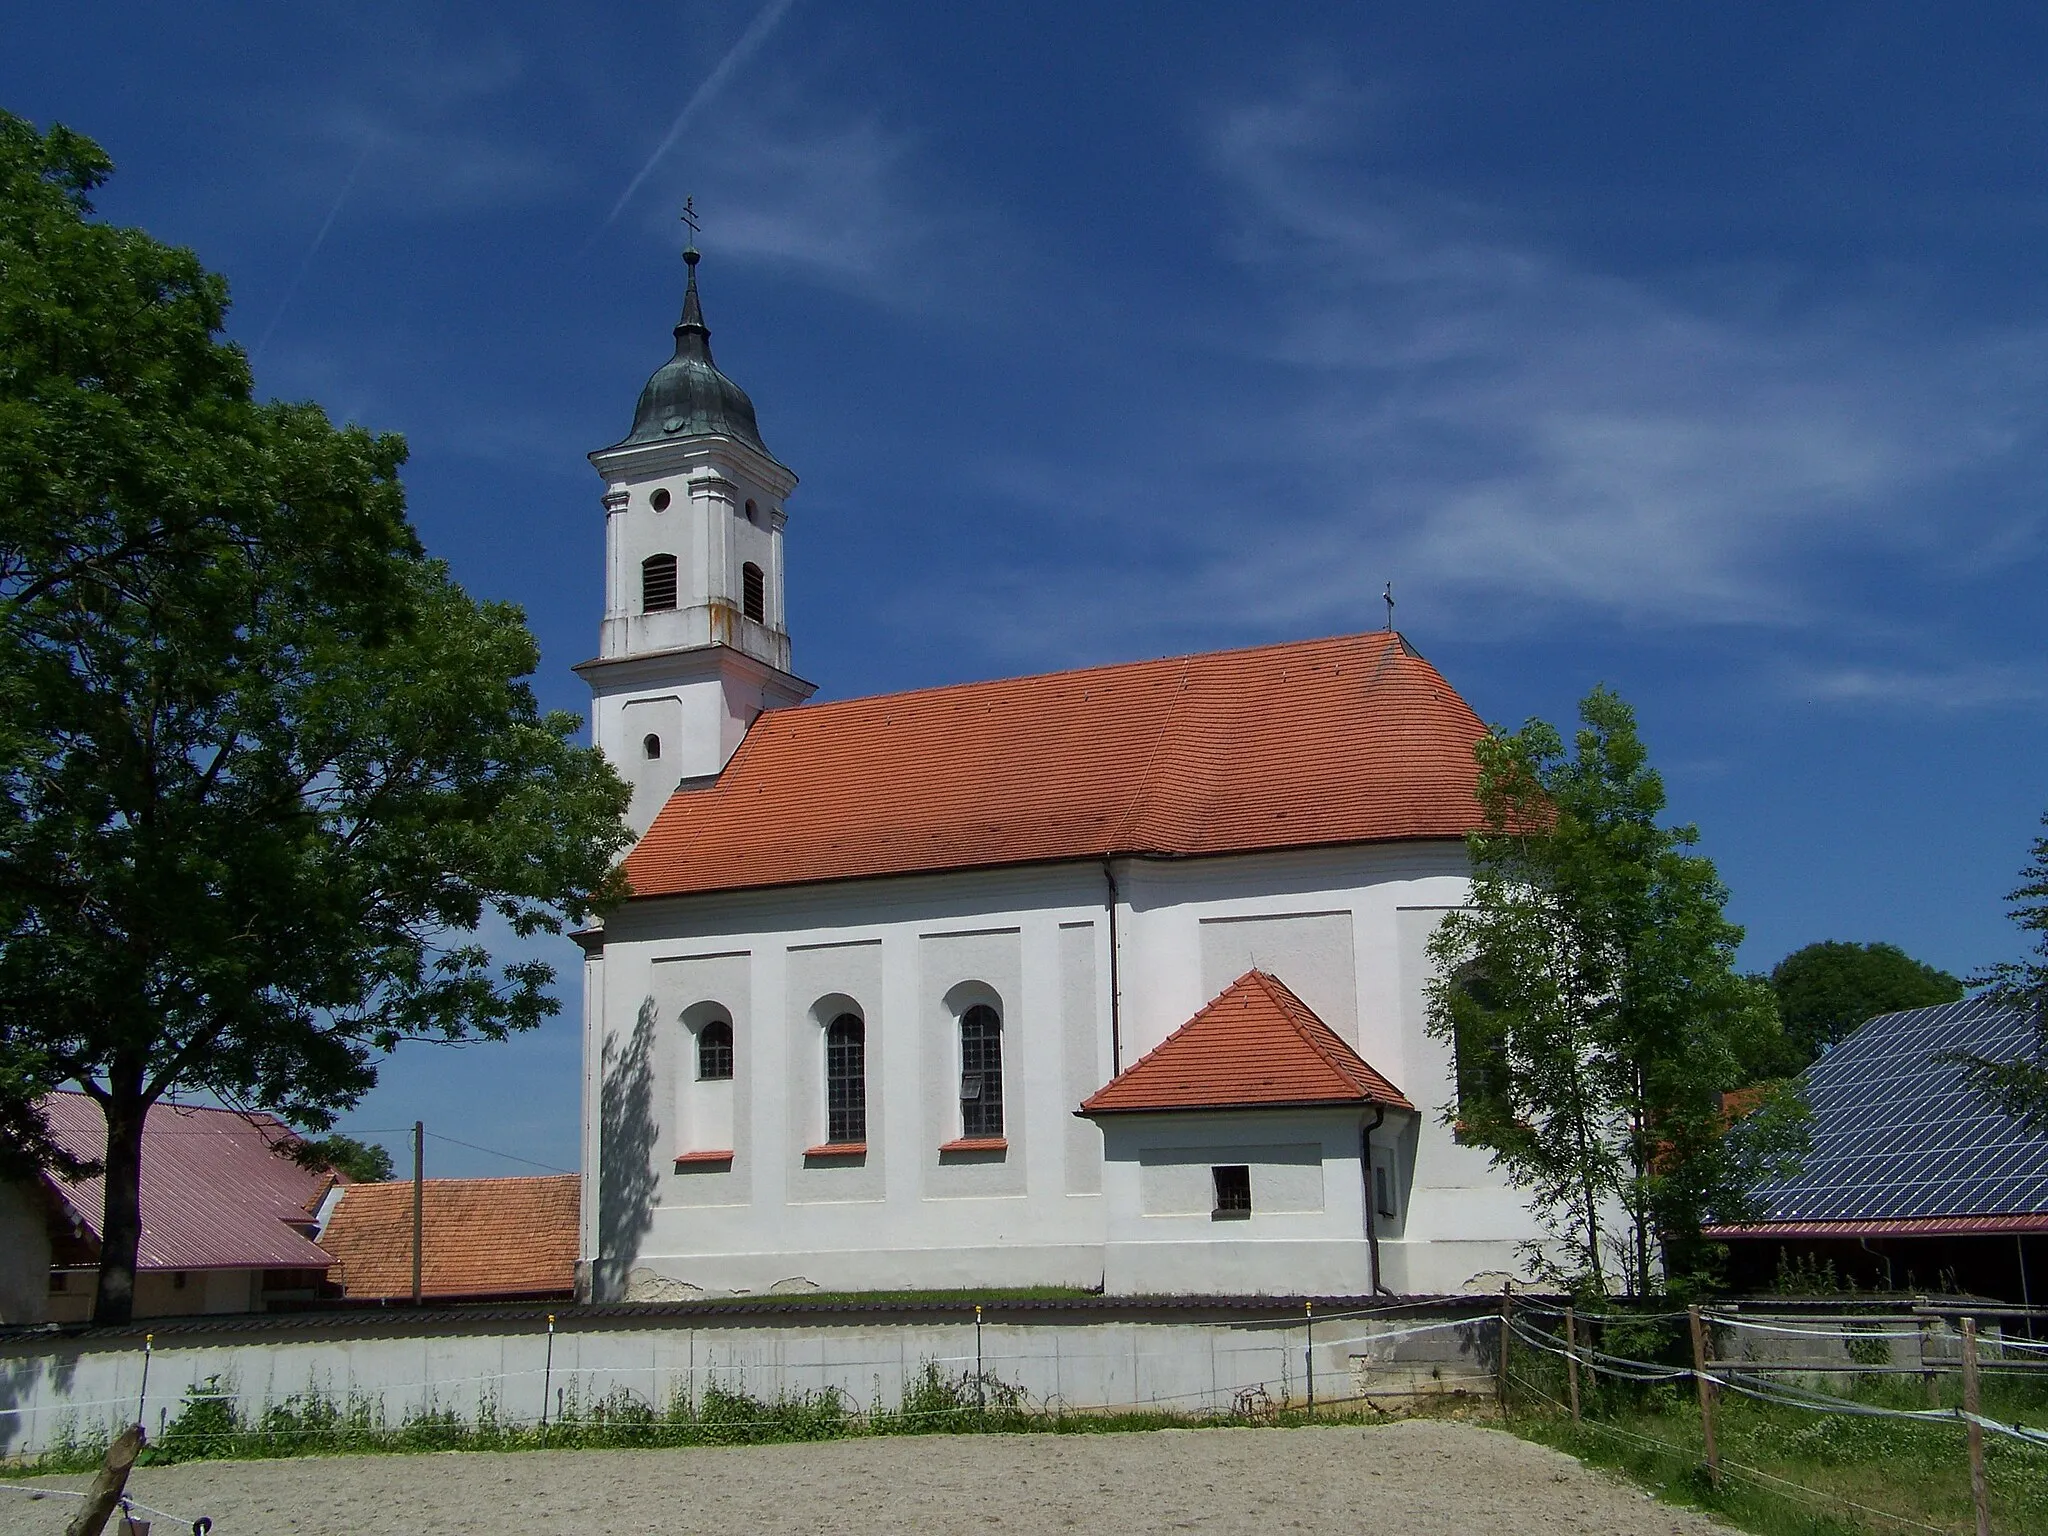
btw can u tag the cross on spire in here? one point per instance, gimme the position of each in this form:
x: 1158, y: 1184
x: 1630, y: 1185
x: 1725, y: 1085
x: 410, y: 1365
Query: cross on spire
x: 1387, y: 597
x: 690, y: 218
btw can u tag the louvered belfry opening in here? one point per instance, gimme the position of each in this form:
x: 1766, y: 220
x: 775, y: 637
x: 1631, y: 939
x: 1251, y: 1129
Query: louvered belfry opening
x: 753, y: 593
x: 657, y: 583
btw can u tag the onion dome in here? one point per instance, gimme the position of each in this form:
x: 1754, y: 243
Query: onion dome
x: 688, y: 396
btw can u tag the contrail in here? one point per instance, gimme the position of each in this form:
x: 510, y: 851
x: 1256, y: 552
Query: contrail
x: 312, y: 250
x: 757, y: 32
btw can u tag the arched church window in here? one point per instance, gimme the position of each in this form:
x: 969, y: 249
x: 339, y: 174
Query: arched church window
x: 846, y: 1079
x: 651, y: 745
x: 753, y: 593
x: 753, y: 512
x: 659, y: 500
x: 714, y: 1051
x: 657, y: 583
x: 981, y: 1072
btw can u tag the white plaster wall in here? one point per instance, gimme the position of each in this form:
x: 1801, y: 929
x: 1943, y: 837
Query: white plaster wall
x: 1346, y: 928
x: 1079, y: 1359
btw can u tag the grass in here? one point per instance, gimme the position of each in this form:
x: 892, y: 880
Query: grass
x: 213, y: 1425
x: 1848, y: 1476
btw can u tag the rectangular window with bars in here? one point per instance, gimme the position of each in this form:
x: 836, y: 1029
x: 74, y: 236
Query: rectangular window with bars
x: 1233, y: 1190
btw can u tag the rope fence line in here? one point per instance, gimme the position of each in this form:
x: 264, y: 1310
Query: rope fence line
x: 1812, y: 1497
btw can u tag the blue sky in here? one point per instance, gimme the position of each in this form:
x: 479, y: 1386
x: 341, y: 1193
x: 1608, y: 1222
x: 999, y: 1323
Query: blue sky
x: 1699, y: 350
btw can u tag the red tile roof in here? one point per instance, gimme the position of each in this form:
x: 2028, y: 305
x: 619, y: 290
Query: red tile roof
x: 218, y: 1190
x: 484, y: 1237
x: 1257, y: 1045
x: 1353, y: 739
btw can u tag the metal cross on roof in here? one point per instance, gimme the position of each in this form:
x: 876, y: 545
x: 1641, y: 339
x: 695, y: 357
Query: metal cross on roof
x: 1388, y: 598
x: 690, y: 217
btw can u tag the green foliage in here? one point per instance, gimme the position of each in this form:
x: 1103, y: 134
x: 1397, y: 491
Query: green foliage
x: 364, y: 1162
x: 266, y: 771
x: 1826, y: 990
x: 2020, y: 1086
x: 1589, y: 991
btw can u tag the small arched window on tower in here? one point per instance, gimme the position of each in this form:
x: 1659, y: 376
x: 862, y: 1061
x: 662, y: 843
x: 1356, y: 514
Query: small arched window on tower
x: 714, y: 1051
x: 753, y: 593
x: 651, y: 745
x: 657, y: 583
x: 981, y: 1072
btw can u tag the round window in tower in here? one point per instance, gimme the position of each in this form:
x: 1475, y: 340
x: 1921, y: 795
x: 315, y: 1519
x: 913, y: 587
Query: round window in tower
x: 659, y: 500
x: 652, y: 747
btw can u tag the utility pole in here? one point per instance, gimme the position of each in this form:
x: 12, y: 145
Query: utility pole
x: 419, y: 1209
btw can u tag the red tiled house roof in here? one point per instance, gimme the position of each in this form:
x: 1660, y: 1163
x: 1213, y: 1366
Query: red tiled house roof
x: 1353, y: 739
x: 219, y: 1190
x: 1256, y: 1046
x: 484, y: 1237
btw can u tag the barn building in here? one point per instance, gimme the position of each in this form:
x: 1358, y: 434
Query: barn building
x: 1105, y: 978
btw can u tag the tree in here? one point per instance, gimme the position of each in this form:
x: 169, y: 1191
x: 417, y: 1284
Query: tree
x: 1590, y: 995
x: 266, y: 771
x: 361, y: 1162
x: 2020, y: 1086
x: 1826, y: 990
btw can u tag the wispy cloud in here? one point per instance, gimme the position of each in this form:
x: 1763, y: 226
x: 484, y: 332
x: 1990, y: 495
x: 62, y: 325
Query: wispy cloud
x: 1499, y: 420
x: 1972, y: 686
x: 764, y: 22
x: 306, y: 262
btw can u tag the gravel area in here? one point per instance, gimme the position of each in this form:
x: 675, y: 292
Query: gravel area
x: 1412, y: 1478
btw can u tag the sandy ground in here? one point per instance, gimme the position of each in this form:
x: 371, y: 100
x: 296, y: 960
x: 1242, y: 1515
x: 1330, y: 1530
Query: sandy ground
x: 1416, y: 1478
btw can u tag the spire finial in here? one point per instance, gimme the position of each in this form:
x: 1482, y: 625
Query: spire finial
x: 693, y: 308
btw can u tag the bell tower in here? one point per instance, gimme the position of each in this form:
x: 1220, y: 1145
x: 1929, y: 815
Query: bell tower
x: 695, y: 639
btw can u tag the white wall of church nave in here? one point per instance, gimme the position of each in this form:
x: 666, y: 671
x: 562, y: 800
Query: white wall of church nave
x: 1037, y: 939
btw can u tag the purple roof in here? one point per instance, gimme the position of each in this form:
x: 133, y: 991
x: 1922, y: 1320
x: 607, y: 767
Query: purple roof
x: 216, y: 1192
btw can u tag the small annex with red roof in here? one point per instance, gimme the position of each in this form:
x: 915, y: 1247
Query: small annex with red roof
x: 881, y: 952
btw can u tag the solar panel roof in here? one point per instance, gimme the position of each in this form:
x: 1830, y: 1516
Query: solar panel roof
x: 1897, y: 1132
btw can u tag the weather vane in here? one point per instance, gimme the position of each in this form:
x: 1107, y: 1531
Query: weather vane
x: 690, y: 217
x: 1388, y: 598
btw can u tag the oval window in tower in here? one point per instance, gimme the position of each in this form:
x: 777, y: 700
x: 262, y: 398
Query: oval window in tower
x: 659, y: 500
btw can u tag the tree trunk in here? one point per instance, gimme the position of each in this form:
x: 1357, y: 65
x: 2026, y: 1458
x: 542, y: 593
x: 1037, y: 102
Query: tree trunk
x: 121, y: 1221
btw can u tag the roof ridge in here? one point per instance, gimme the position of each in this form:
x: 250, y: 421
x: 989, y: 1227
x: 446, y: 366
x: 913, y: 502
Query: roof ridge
x: 1185, y: 658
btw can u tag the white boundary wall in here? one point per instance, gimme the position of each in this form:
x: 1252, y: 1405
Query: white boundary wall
x: 1062, y: 1359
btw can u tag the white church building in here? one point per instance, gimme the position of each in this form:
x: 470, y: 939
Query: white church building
x: 1108, y: 978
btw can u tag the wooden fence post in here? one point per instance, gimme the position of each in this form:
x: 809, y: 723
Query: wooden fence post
x: 106, y: 1488
x: 1571, y: 1360
x: 1980, y: 1494
x: 1699, y: 1376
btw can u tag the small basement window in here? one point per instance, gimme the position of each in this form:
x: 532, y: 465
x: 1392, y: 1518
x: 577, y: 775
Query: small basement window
x: 753, y: 593
x: 1233, y: 1190
x: 1383, y: 1191
x: 651, y: 745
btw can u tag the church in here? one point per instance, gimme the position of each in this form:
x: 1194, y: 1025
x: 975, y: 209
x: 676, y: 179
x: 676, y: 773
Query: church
x: 1110, y: 979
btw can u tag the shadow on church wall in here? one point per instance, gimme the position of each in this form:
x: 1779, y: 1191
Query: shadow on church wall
x: 626, y: 1176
